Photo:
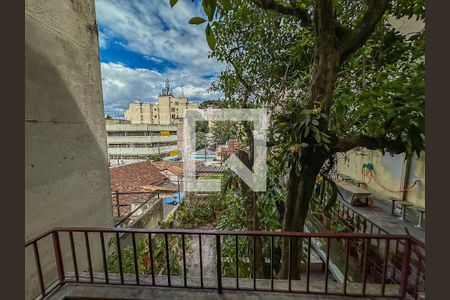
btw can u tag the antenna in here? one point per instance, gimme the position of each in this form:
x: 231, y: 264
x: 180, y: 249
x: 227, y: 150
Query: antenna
x: 182, y: 91
x: 167, y: 88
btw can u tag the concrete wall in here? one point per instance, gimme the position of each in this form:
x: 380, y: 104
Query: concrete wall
x: 406, y: 26
x: 147, y: 217
x: 150, y: 217
x: 389, y: 171
x: 67, y: 177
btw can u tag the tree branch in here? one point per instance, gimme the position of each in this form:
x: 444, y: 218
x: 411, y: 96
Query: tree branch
x: 237, y: 70
x: 355, y: 39
x: 300, y: 13
x: 371, y: 143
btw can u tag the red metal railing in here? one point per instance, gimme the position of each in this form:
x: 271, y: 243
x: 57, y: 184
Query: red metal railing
x: 403, y: 285
x: 358, y: 223
x: 417, y: 261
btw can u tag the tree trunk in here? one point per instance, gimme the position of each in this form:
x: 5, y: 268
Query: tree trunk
x: 300, y: 190
x: 326, y: 63
x: 255, y: 248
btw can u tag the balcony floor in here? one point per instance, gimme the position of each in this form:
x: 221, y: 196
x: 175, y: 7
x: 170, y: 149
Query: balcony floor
x: 99, y: 290
x: 74, y: 291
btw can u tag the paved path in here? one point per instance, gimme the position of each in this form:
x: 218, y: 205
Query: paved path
x: 208, y: 255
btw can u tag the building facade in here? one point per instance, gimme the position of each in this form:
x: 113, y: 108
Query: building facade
x: 139, y: 113
x: 111, y: 121
x: 168, y: 111
x: 129, y: 143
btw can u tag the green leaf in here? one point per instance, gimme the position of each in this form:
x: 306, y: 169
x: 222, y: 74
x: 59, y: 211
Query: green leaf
x: 209, y: 7
x: 210, y: 37
x: 334, y: 193
x: 325, y: 139
x: 172, y: 3
x: 197, y: 20
x: 305, y: 134
x: 315, y: 122
x: 226, y: 4
x: 317, y: 137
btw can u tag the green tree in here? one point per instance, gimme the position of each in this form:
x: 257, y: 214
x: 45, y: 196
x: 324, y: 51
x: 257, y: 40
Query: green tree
x: 349, y: 81
x: 223, y: 131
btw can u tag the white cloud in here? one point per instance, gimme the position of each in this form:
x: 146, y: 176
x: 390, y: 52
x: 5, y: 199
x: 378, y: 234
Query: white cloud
x: 157, y: 32
x: 122, y: 84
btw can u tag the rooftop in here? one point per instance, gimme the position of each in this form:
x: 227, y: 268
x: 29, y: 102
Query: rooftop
x: 133, y: 177
x: 176, y: 167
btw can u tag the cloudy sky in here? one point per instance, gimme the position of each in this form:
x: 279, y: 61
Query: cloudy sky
x: 144, y: 42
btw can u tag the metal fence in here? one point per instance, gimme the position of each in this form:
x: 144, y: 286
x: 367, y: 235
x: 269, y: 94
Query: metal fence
x: 357, y: 223
x: 122, y: 204
x: 399, y: 276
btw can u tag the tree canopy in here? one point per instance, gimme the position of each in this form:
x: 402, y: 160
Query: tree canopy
x: 334, y: 74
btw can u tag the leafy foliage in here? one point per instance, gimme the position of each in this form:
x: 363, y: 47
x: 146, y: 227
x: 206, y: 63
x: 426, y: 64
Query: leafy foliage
x: 332, y: 83
x: 143, y: 257
x: 391, y: 102
x: 128, y: 258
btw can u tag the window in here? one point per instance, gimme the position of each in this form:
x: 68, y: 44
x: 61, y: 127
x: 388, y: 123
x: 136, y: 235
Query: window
x: 116, y: 133
x: 118, y: 145
x: 136, y: 133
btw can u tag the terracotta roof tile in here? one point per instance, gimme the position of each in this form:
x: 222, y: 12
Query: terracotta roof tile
x: 176, y: 167
x: 133, y: 178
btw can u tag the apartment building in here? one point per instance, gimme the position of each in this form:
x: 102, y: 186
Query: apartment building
x: 168, y: 111
x: 139, y: 113
x: 111, y: 121
x: 129, y: 143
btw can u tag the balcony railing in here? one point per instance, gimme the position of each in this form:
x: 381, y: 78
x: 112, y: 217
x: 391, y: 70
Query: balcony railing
x: 399, y: 277
x: 123, y: 209
x: 142, y: 151
x: 356, y: 222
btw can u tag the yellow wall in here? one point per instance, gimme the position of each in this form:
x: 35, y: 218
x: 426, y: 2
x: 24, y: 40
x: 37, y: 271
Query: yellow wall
x: 139, y: 113
x: 417, y: 171
x: 389, y: 171
x: 168, y: 111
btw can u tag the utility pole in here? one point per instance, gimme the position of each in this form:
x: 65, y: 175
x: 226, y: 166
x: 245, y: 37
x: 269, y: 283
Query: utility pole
x: 178, y: 184
x: 159, y: 152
